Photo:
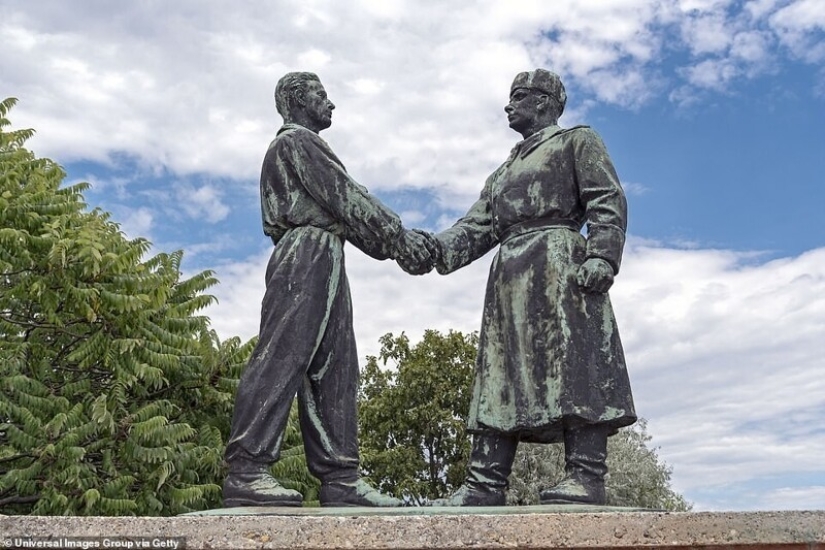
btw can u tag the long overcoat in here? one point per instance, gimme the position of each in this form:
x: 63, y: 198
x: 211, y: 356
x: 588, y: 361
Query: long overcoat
x: 550, y: 356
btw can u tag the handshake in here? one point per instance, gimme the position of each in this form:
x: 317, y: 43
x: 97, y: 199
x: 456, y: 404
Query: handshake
x: 417, y: 251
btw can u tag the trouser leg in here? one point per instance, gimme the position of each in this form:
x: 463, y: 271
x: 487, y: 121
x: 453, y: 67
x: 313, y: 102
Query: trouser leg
x: 327, y: 397
x: 328, y: 412
x: 267, y: 387
x: 294, y: 315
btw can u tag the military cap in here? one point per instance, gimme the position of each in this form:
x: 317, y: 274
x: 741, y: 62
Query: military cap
x: 543, y: 81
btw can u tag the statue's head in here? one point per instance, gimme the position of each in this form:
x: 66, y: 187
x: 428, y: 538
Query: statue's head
x: 300, y: 98
x: 537, y: 99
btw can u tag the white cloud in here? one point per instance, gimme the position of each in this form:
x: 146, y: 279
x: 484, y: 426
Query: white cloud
x: 715, y: 74
x: 191, y: 90
x: 412, y: 218
x: 729, y: 42
x: 635, y: 188
x: 385, y: 299
x: 314, y: 60
x: 708, y: 33
x: 136, y: 223
x: 796, y: 498
x: 801, y: 27
x: 203, y: 202
x: 703, y: 5
x: 751, y: 46
x: 724, y: 356
x: 757, y: 9
x: 421, y: 88
x: 366, y: 86
x: 237, y: 312
x: 116, y: 186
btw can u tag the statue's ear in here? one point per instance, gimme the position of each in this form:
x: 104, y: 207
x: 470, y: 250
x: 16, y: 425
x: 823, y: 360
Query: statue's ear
x: 546, y: 104
x: 298, y: 97
x: 543, y: 103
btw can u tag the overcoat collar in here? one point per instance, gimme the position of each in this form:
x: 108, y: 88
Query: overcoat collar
x: 528, y: 145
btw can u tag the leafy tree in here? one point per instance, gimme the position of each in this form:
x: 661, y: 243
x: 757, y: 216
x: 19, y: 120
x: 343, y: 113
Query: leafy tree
x: 115, y: 397
x: 413, y: 415
x: 414, y: 445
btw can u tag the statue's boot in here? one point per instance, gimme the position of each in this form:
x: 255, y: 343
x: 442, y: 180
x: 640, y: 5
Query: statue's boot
x: 355, y: 493
x: 585, y: 455
x: 491, y: 460
x: 249, y: 483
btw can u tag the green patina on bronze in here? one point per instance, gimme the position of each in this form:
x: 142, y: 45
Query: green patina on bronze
x: 550, y: 354
x: 550, y: 365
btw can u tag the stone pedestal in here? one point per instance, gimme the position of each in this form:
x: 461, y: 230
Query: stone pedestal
x: 532, y: 527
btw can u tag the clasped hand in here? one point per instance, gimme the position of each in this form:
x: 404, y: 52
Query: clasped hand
x: 418, y: 252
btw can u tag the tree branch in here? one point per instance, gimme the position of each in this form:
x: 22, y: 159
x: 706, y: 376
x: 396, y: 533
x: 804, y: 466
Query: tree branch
x: 19, y: 500
x: 15, y: 457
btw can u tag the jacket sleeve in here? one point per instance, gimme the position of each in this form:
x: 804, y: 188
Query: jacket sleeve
x: 368, y: 223
x: 602, y: 196
x: 470, y: 238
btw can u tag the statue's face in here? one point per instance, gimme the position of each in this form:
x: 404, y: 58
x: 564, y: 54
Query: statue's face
x: 522, y: 111
x: 317, y: 105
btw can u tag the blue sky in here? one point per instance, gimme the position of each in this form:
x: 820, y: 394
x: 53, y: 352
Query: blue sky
x: 713, y: 112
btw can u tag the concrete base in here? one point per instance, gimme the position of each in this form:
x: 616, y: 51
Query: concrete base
x: 534, y: 527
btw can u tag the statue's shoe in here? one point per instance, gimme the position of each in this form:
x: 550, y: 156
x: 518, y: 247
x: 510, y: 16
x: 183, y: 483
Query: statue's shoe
x: 572, y: 490
x: 473, y: 495
x: 355, y: 493
x: 257, y: 489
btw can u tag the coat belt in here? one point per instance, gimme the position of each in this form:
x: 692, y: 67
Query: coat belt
x: 538, y: 224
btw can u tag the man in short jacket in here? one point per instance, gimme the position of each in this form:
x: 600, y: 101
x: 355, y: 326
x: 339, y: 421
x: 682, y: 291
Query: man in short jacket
x: 310, y: 207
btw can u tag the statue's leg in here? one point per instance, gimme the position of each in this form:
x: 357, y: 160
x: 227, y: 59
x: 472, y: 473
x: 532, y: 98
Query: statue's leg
x: 328, y: 413
x: 327, y: 397
x: 585, y: 455
x: 491, y: 460
x: 294, y: 313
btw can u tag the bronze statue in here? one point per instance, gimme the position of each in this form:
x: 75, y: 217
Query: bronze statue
x: 550, y: 364
x: 306, y: 346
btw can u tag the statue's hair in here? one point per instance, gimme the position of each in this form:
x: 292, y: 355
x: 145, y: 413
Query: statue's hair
x: 288, y: 87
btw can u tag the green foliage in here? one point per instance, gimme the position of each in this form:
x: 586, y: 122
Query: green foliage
x: 535, y: 467
x: 115, y: 398
x: 636, y: 477
x: 413, y: 416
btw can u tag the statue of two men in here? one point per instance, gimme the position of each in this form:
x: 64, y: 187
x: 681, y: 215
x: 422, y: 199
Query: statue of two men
x: 550, y: 366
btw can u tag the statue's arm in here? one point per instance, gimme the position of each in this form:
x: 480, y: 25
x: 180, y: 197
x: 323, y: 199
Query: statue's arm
x: 470, y: 238
x: 369, y: 224
x: 603, y: 198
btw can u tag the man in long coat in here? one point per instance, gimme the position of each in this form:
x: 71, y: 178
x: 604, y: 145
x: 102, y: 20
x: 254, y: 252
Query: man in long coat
x: 310, y: 207
x: 550, y: 364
